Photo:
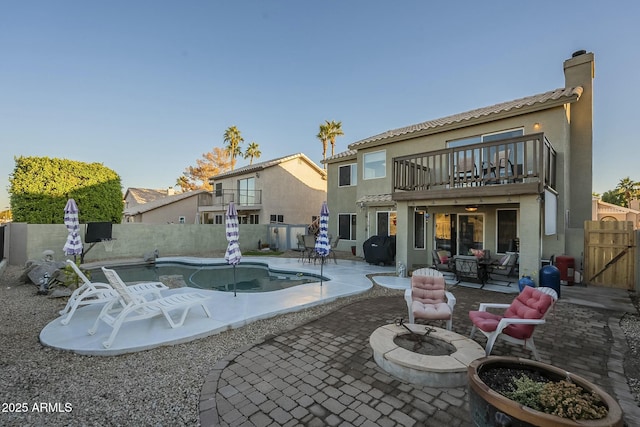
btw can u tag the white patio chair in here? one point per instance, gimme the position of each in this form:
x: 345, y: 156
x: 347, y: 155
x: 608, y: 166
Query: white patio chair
x: 136, y: 307
x: 428, y: 298
x: 100, y: 293
x: 519, y: 320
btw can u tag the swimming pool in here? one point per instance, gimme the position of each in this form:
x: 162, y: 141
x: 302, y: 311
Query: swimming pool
x: 249, y: 276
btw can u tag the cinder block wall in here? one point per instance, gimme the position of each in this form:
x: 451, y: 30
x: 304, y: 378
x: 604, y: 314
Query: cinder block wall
x: 28, y: 241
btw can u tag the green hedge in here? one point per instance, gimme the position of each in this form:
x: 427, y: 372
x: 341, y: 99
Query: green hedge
x: 40, y: 187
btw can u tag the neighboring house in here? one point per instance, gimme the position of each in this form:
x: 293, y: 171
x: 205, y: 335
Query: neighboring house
x: 287, y: 190
x: 603, y: 211
x: 514, y: 173
x: 138, y: 196
x: 181, y: 208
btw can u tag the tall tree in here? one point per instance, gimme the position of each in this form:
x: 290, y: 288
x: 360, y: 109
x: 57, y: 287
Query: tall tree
x: 628, y: 190
x: 211, y: 164
x: 334, y: 129
x: 233, y: 139
x: 252, y: 151
x: 323, y: 136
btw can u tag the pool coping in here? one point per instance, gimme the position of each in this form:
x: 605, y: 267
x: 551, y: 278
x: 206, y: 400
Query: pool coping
x: 346, y: 278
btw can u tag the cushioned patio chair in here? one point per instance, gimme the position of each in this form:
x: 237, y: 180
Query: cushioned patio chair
x: 517, y: 324
x: 428, y: 298
x: 99, y: 293
x: 504, y: 268
x: 441, y: 260
x: 136, y: 307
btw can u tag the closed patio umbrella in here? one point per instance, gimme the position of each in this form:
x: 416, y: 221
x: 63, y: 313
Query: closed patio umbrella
x: 323, y: 247
x: 233, y: 254
x: 73, y: 245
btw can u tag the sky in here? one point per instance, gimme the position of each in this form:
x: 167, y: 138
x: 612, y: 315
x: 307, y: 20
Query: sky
x: 145, y: 87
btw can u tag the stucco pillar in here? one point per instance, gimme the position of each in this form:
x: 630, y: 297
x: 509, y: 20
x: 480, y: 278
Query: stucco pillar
x: 530, y: 242
x: 402, y: 236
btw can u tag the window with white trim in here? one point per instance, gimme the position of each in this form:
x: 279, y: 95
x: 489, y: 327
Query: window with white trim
x: 347, y: 226
x: 487, y: 137
x: 247, y: 191
x: 374, y: 164
x: 386, y: 223
x: 348, y: 175
x: 419, y: 229
x: 506, y: 228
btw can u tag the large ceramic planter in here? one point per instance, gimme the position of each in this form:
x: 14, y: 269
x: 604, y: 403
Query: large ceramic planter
x: 489, y: 408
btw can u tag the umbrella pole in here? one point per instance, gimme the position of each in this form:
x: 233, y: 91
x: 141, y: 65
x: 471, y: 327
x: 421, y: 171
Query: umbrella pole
x: 234, y: 280
x: 321, y: 267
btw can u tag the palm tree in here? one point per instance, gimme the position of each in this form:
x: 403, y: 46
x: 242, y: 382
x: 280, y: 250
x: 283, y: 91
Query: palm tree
x: 628, y: 189
x: 253, y: 150
x: 323, y: 136
x: 233, y: 139
x: 334, y: 129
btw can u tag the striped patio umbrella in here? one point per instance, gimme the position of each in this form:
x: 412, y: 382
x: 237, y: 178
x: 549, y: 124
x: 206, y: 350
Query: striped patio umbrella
x: 73, y: 245
x: 233, y: 254
x: 323, y: 247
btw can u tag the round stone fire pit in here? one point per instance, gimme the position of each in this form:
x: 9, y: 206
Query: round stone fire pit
x: 444, y: 365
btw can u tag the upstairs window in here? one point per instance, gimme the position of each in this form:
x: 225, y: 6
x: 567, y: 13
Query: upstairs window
x: 247, y: 191
x: 348, y: 175
x: 487, y: 137
x: 375, y: 165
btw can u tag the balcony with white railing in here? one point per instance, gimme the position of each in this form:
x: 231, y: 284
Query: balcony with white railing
x: 520, y: 165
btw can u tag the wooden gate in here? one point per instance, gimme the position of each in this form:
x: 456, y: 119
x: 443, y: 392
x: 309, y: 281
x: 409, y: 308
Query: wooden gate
x: 609, y: 254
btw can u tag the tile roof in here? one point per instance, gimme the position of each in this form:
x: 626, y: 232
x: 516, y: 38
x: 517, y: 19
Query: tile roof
x: 371, y: 199
x: 529, y: 103
x: 341, y: 155
x: 146, y: 195
x: 166, y: 200
x: 266, y: 164
x: 604, y: 207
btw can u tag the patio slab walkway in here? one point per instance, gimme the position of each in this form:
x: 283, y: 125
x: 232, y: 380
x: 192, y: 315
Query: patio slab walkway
x: 323, y: 373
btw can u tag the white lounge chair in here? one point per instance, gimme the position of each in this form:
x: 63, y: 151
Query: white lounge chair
x: 100, y: 293
x: 136, y: 307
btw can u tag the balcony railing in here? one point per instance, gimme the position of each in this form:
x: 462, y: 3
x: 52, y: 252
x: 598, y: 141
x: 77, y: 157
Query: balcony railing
x: 528, y: 159
x: 221, y: 198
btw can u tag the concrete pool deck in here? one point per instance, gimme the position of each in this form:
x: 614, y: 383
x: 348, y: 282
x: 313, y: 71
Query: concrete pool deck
x: 227, y: 312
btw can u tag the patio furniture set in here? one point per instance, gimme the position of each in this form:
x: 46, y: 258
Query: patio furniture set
x: 479, y: 266
x: 428, y: 299
x: 307, y: 248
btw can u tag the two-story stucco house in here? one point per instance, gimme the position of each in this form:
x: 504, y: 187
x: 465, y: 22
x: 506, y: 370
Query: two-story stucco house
x: 170, y: 208
x: 518, y: 173
x: 288, y: 190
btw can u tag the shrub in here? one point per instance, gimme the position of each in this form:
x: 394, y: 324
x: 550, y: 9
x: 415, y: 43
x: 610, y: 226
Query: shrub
x: 561, y: 398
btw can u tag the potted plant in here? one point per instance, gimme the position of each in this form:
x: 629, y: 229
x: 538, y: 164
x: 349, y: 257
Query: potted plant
x: 516, y: 392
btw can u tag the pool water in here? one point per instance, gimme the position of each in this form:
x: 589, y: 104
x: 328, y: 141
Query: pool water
x: 249, y: 277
